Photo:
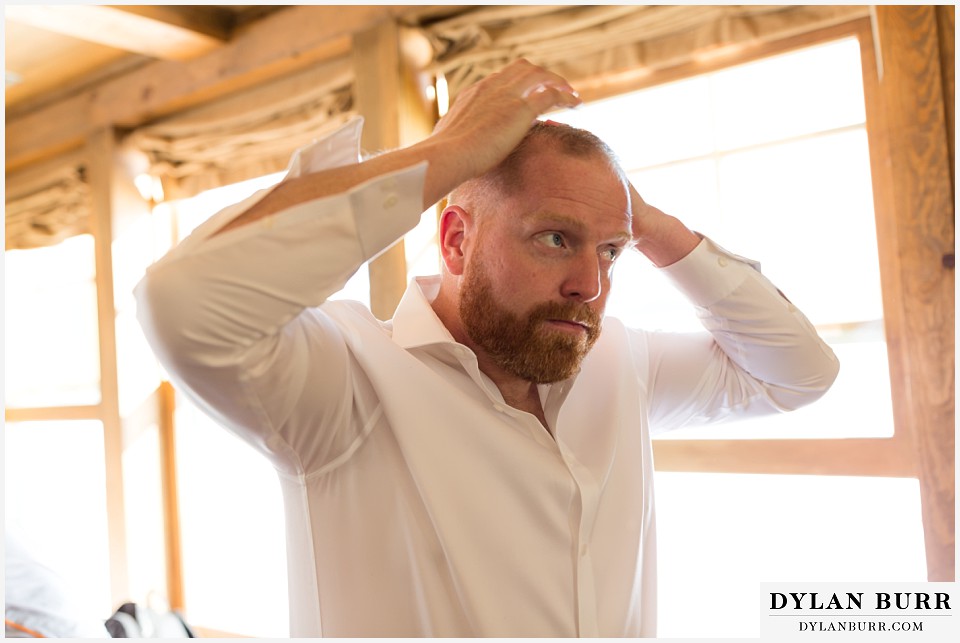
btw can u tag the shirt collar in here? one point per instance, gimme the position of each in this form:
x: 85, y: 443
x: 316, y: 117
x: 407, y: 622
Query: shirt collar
x: 415, y: 323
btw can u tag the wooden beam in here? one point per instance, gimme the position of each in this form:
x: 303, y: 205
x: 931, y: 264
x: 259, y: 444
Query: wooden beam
x: 915, y: 214
x: 946, y: 37
x: 56, y: 413
x: 101, y: 151
x: 171, y: 498
x: 884, y: 457
x: 283, y: 42
x: 156, y: 31
x: 394, y: 116
x: 376, y: 58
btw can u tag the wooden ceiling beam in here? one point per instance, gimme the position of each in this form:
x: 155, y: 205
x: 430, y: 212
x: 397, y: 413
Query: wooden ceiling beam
x: 164, y: 32
x: 281, y: 43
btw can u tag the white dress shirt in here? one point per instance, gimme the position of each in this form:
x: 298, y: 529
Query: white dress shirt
x: 417, y: 502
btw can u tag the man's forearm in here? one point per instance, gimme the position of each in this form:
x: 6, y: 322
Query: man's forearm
x: 668, y: 241
x: 442, y: 176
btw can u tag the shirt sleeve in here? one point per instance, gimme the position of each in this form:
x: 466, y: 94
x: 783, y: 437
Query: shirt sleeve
x: 233, y: 317
x: 761, y: 355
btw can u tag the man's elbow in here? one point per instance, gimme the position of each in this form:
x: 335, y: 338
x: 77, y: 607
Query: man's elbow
x: 814, y: 384
x: 160, y: 311
x: 177, y: 317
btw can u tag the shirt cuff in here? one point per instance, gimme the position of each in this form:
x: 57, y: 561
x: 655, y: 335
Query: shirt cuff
x: 388, y: 207
x: 709, y: 273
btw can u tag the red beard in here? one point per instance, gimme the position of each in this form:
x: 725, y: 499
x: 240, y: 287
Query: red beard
x: 525, y: 346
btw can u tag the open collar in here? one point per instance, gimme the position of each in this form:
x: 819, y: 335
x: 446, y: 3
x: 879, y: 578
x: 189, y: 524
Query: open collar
x: 415, y: 324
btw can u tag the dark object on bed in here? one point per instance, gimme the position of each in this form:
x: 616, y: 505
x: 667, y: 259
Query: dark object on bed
x: 133, y: 621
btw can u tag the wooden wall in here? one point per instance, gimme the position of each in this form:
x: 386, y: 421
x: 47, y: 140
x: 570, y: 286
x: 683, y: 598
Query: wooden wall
x: 911, y: 130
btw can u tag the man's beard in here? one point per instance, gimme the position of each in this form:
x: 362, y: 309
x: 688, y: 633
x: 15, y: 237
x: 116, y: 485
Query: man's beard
x: 525, y: 346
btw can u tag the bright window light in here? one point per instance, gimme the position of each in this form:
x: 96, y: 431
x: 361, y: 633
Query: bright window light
x: 51, y: 353
x: 234, y: 546
x: 720, y: 535
x: 770, y: 160
x: 422, y: 247
x: 55, y: 504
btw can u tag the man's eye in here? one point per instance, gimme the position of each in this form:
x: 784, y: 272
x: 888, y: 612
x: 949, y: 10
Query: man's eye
x: 610, y: 254
x: 552, y: 239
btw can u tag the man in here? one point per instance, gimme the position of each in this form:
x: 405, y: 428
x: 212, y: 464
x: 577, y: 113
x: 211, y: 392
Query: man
x: 481, y: 464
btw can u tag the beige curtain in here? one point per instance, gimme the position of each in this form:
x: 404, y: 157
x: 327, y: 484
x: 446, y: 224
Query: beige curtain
x: 247, y: 135
x: 590, y: 42
x: 47, y: 208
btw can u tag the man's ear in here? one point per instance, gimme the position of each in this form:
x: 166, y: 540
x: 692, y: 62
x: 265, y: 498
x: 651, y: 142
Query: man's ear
x: 455, y: 222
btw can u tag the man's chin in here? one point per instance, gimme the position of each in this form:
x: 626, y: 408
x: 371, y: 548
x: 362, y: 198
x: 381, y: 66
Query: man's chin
x: 550, y: 365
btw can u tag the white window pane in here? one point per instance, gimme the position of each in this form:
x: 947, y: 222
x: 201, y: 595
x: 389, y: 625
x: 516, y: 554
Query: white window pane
x: 805, y: 211
x: 143, y: 240
x: 810, y: 90
x: 234, y: 547
x: 51, y: 341
x: 686, y: 190
x: 652, y: 126
x: 720, y: 535
x: 421, y: 247
x: 357, y: 287
x: 55, y: 502
x: 641, y: 297
x: 143, y: 512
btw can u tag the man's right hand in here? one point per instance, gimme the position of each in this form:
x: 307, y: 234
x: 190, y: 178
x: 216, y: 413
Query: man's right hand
x: 489, y: 119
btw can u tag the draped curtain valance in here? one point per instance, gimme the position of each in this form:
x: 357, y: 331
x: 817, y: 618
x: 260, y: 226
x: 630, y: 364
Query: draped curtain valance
x: 590, y: 42
x: 48, y: 207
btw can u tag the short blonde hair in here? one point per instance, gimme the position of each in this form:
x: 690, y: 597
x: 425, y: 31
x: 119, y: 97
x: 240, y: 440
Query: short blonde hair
x: 507, y: 177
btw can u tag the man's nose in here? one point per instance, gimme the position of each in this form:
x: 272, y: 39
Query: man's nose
x: 584, y: 281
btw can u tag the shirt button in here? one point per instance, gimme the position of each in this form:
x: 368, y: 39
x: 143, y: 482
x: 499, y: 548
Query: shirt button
x: 499, y: 407
x: 390, y: 201
x: 722, y: 261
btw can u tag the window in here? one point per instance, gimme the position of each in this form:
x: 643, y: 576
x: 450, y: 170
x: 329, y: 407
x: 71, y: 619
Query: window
x: 770, y: 159
x: 53, y: 487
x: 719, y: 535
x: 232, y: 528
x: 51, y: 310
x: 421, y: 247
